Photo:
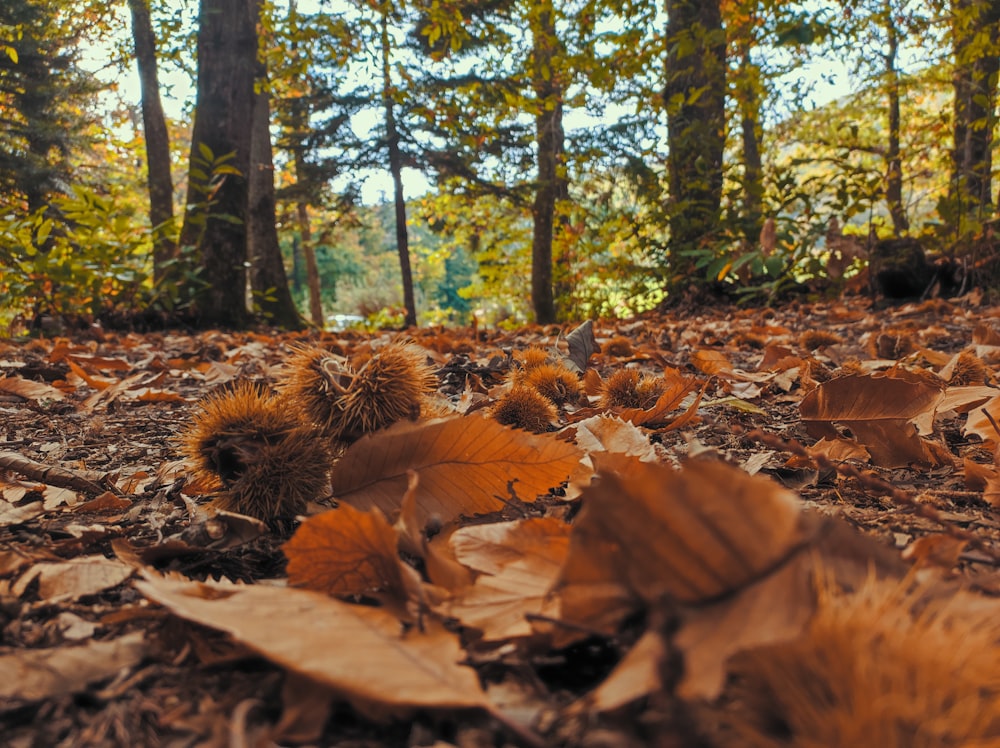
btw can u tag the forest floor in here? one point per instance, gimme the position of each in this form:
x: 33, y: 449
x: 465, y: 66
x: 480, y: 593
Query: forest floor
x: 107, y: 636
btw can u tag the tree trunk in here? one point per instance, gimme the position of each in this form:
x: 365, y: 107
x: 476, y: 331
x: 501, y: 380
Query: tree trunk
x: 753, y: 169
x: 268, y: 280
x: 894, y: 166
x: 975, y: 81
x: 396, y: 169
x: 551, y: 180
x: 312, y: 267
x: 154, y: 125
x: 695, y: 95
x: 215, y: 222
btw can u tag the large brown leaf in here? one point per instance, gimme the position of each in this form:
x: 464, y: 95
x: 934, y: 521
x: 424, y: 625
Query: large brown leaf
x: 467, y: 465
x: 361, y: 652
x: 647, y: 532
x: 886, y: 414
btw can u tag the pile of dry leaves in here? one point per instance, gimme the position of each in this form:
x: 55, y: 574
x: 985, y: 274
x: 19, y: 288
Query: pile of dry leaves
x: 737, y: 528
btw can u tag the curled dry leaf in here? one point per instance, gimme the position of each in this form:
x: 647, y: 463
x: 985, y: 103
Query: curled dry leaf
x: 885, y: 413
x: 647, y: 532
x: 363, y: 653
x: 519, y: 562
x: 466, y: 465
x: 29, y: 389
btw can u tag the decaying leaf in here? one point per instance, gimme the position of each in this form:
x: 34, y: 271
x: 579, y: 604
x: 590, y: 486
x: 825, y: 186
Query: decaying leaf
x: 466, y: 464
x: 519, y: 562
x: 691, y: 535
x: 363, y: 653
x: 74, y: 577
x: 887, y: 414
x: 36, y: 674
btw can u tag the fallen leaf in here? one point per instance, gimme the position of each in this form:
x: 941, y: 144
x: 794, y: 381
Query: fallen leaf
x: 636, y: 676
x: 36, y: 674
x: 646, y: 532
x: 73, y: 578
x: 345, y: 552
x: 361, y: 652
x: 886, y: 414
x: 518, y: 564
x: 466, y: 465
x: 30, y: 390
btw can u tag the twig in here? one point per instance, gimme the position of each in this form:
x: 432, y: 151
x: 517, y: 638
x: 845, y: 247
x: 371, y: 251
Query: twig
x: 89, y: 482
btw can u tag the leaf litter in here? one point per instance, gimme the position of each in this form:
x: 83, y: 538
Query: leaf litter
x: 615, y: 573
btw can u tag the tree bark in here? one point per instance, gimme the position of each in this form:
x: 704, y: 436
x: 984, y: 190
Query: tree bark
x: 894, y: 166
x: 154, y: 125
x: 752, y: 131
x: 215, y: 222
x: 695, y: 95
x: 396, y: 169
x: 312, y: 267
x: 268, y: 280
x: 975, y: 82
x: 551, y: 180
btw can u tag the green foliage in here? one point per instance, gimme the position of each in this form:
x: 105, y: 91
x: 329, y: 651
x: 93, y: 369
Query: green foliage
x: 81, y: 256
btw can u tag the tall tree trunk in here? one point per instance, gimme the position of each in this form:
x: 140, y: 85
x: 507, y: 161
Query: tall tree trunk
x: 975, y: 82
x: 396, y: 169
x: 695, y: 94
x: 894, y: 166
x: 268, y: 280
x: 312, y: 267
x: 154, y: 125
x: 215, y: 222
x: 299, y: 126
x: 752, y: 131
x: 551, y: 180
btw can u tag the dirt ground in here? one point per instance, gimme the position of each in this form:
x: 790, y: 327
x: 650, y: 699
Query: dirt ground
x: 90, y: 469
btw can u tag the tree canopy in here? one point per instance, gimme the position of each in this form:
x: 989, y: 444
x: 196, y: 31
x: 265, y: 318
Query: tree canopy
x: 576, y: 158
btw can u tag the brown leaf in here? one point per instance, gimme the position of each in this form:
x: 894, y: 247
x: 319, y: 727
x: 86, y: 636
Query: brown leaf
x: 886, y: 414
x: 465, y: 465
x: 648, y: 531
x: 36, y: 674
x: 711, y: 362
x: 345, y: 552
x: 73, y: 578
x: 29, y: 390
x: 361, y: 652
x: 519, y: 562
x: 637, y: 675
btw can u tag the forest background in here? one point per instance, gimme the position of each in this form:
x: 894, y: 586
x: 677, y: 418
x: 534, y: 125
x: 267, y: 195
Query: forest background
x: 582, y: 158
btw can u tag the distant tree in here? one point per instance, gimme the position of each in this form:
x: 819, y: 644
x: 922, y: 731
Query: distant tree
x: 157, y: 141
x: 313, y: 110
x: 393, y: 140
x: 44, y: 99
x: 215, y: 222
x: 976, y: 51
x: 268, y: 280
x: 695, y: 94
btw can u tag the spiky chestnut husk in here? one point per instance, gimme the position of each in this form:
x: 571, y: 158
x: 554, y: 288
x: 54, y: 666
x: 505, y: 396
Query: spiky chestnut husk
x: 619, y: 346
x: 256, y: 449
x: 969, y: 369
x: 626, y: 388
x: 554, y: 382
x: 350, y: 399
x: 877, y: 667
x: 315, y: 382
x: 524, y: 408
x: 529, y: 358
x: 813, y: 339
